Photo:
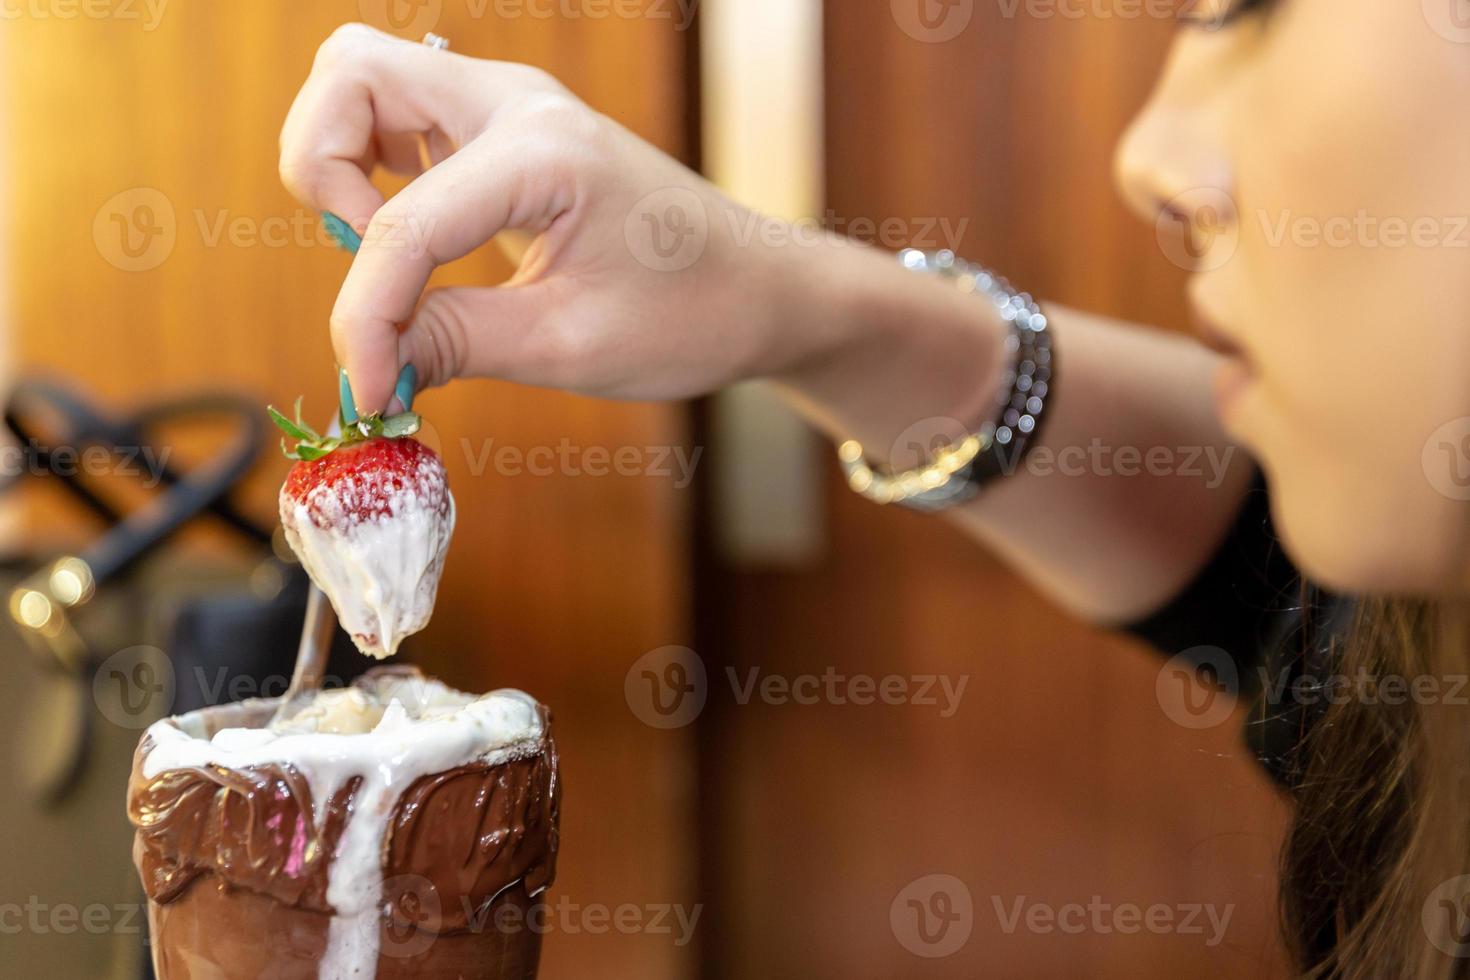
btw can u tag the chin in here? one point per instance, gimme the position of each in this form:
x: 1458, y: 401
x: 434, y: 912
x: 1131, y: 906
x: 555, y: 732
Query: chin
x: 1363, y: 539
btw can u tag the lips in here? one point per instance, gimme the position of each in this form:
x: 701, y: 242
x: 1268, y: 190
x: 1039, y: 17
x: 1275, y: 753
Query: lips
x: 1213, y: 336
x: 1236, y: 372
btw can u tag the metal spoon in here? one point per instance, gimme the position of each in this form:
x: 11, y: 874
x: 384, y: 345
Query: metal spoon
x: 317, y: 631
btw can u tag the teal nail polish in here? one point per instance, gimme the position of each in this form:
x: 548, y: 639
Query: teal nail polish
x: 344, y: 395
x: 342, y: 233
x: 408, y: 383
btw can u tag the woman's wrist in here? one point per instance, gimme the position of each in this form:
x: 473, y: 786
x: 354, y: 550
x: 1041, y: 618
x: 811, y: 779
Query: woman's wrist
x: 880, y: 354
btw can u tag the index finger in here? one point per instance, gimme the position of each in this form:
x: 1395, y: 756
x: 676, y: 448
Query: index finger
x: 446, y: 213
x: 365, y: 84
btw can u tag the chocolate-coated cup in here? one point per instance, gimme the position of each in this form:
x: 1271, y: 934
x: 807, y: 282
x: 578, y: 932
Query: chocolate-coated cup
x: 236, y: 869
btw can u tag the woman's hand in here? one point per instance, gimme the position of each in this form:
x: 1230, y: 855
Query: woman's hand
x: 643, y: 281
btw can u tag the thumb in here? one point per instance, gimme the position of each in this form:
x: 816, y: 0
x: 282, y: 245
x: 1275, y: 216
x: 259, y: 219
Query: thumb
x: 497, y: 332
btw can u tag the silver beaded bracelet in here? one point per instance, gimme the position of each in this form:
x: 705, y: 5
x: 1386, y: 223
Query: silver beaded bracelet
x: 957, y: 473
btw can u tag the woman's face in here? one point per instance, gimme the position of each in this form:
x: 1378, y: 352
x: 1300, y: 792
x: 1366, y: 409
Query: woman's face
x: 1310, y: 160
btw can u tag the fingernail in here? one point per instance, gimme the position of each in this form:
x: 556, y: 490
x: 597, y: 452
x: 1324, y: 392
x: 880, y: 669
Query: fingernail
x: 344, y: 396
x: 407, y: 386
x: 341, y: 232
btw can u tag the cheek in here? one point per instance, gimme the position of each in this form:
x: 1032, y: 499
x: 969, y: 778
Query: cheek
x: 1352, y: 283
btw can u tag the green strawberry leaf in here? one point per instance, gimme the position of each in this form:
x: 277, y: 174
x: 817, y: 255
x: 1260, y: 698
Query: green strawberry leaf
x: 292, y: 429
x: 311, y: 433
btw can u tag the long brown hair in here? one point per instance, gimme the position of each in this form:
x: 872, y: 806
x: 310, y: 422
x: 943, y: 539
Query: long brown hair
x: 1371, y: 869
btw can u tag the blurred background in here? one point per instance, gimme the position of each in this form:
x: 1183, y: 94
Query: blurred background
x: 157, y: 282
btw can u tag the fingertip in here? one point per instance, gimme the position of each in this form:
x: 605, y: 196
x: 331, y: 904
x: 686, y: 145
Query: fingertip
x: 367, y: 378
x: 371, y: 398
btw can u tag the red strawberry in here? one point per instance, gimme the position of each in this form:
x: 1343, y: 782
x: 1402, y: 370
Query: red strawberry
x: 363, y: 479
x: 370, y: 516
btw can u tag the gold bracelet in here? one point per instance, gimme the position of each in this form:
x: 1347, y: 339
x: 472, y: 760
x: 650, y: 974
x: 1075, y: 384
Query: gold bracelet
x: 911, y: 485
x: 956, y: 473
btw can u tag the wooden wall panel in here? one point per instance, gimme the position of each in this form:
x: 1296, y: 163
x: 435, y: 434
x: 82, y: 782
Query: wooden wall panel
x: 556, y: 583
x: 1059, y: 778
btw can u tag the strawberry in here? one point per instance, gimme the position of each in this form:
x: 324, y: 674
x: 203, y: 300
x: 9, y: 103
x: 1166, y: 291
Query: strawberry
x: 361, y: 481
x: 370, y: 515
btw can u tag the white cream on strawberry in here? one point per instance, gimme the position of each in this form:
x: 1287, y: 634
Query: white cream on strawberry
x: 381, y: 572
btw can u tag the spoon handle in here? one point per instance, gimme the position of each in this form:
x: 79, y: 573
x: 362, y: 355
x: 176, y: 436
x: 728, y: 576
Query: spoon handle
x: 316, y: 643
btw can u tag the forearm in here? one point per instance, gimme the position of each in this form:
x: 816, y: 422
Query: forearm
x: 1132, y: 483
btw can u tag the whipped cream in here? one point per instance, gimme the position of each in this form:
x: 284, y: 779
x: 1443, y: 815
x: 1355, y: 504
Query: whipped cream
x: 381, y: 574
x: 390, y: 731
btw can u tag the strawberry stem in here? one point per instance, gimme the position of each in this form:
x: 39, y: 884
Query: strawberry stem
x: 311, y: 446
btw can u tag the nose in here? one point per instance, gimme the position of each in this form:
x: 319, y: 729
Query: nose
x: 1170, y: 167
